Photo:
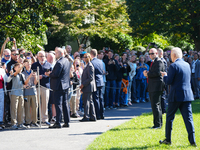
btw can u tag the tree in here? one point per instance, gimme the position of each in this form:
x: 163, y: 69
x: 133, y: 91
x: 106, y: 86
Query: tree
x: 84, y: 19
x: 25, y: 20
x: 177, y: 17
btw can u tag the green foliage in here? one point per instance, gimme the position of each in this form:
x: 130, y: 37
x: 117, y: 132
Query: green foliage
x: 25, y: 20
x: 102, y: 18
x: 168, y: 48
x: 180, y: 18
x: 139, y: 48
x: 185, y: 46
x: 124, y: 41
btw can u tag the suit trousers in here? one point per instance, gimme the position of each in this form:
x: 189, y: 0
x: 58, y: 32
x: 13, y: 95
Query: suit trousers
x: 98, y: 102
x: 195, y: 84
x: 61, y: 105
x: 186, y: 112
x: 155, y: 98
x: 16, y: 109
x: 89, y: 110
x: 31, y: 114
x: 44, y: 100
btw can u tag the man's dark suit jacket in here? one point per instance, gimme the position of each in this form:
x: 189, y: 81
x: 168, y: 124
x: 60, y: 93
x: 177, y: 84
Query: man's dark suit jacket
x: 98, y: 69
x: 60, y: 79
x: 88, y: 79
x: 155, y: 78
x: 179, y: 76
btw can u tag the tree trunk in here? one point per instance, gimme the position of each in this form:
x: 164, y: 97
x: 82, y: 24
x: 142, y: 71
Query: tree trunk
x: 197, y: 44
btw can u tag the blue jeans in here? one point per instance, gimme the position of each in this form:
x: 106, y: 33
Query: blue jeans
x: 133, y: 90
x: 118, y: 86
x: 141, y: 88
x: 110, y: 92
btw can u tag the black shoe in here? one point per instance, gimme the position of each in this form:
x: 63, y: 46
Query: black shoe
x: 194, y: 144
x: 154, y: 127
x: 102, y: 117
x: 74, y: 116
x: 66, y: 125
x: 165, y: 142
x: 84, y: 120
x: 92, y: 119
x: 98, y: 118
x: 55, y: 126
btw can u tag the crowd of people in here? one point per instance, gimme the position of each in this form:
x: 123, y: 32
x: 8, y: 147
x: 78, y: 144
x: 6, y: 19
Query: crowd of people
x: 80, y: 84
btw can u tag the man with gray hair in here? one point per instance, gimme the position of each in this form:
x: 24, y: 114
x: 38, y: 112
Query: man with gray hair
x: 60, y: 83
x: 44, y: 66
x: 180, y: 96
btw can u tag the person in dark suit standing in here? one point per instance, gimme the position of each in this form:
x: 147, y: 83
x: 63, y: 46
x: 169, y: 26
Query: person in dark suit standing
x: 59, y: 82
x: 163, y: 96
x: 180, y: 96
x: 98, y: 94
x: 155, y: 86
x: 88, y: 86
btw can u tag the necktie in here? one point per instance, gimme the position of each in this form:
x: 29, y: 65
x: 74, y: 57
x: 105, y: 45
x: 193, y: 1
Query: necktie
x: 151, y: 64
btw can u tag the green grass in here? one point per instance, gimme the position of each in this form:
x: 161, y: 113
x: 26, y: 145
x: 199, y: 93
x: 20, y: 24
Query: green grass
x: 136, y: 134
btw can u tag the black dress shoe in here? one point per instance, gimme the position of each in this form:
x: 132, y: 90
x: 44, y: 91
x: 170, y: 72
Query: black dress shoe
x: 84, y: 120
x: 98, y: 118
x: 102, y: 117
x: 155, y: 127
x: 92, y: 119
x: 165, y: 142
x: 66, y: 125
x: 55, y: 126
x: 194, y: 144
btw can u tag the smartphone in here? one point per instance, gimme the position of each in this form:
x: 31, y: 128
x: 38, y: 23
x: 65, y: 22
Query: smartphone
x: 77, y: 66
x: 47, y: 70
x: 28, y: 54
x: 11, y: 39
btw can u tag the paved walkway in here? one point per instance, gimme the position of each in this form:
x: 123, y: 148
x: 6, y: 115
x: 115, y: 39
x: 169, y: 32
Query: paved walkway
x: 77, y: 137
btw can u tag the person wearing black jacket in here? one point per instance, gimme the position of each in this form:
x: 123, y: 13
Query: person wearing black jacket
x: 112, y: 69
x: 118, y: 81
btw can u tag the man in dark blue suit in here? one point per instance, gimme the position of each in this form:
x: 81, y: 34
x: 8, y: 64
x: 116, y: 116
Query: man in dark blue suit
x: 98, y: 95
x: 59, y: 82
x: 180, y: 96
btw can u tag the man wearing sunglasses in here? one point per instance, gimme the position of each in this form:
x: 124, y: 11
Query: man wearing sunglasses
x: 14, y: 58
x: 6, y: 56
x: 155, y: 86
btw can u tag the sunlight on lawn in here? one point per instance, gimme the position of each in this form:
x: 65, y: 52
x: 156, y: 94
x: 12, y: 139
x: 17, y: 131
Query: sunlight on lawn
x: 136, y: 134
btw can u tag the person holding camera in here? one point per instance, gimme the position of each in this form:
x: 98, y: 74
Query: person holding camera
x: 5, y: 53
x: 17, y: 98
x: 112, y: 68
x: 30, y: 94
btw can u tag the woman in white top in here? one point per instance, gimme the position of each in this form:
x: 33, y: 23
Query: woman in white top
x: 133, y: 66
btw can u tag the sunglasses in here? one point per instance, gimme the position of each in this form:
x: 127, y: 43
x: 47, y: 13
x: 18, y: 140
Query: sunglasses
x: 151, y: 53
x: 15, y: 54
x: 7, y: 55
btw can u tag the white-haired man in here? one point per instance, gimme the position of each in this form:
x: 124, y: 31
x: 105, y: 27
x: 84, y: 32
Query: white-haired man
x: 44, y: 66
x: 60, y: 81
x: 180, y: 96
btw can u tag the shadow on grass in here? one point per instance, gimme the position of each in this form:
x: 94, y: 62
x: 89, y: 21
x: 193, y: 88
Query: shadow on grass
x: 134, y: 128
x: 89, y: 133
x: 152, y: 147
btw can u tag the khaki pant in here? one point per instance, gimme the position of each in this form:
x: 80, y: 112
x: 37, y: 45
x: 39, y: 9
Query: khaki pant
x: 73, y: 104
x: 17, y: 108
x: 44, y: 95
x: 31, y: 114
x: 78, y: 96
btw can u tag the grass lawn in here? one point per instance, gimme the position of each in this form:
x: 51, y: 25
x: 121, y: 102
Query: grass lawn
x: 136, y: 133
